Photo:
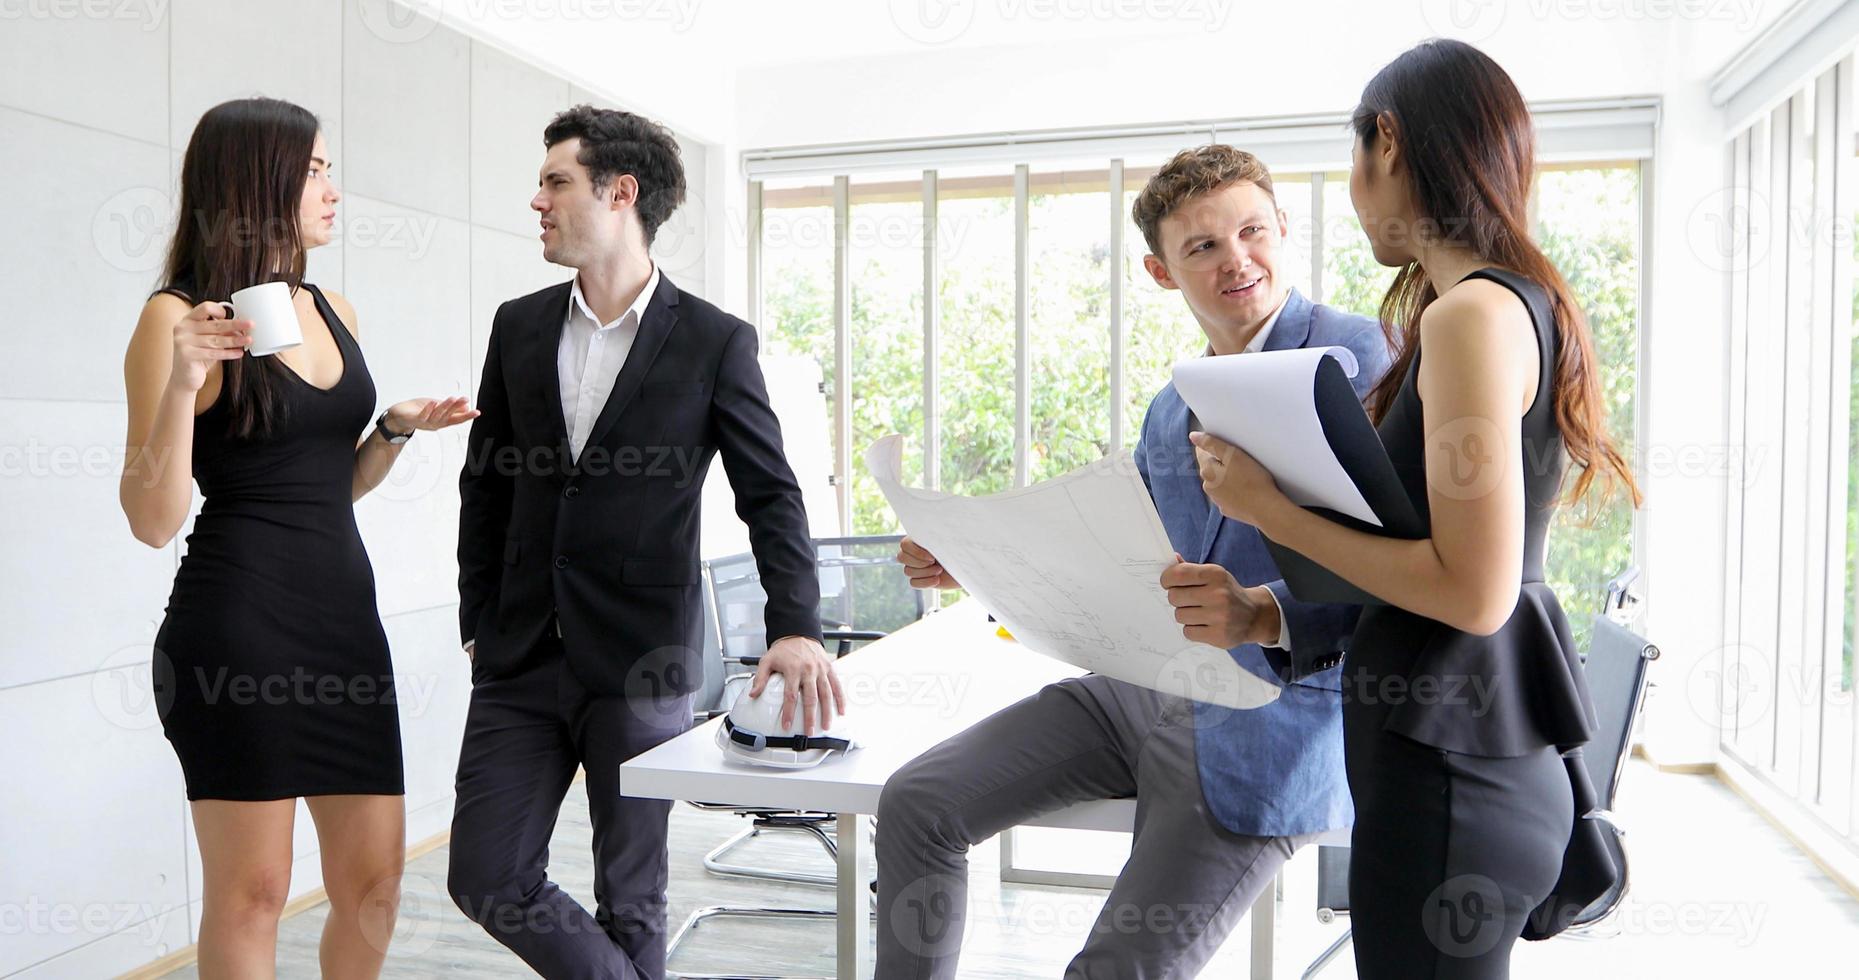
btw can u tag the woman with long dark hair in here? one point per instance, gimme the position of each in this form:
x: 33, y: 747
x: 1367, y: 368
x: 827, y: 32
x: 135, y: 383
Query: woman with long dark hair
x: 1458, y: 692
x: 271, y: 668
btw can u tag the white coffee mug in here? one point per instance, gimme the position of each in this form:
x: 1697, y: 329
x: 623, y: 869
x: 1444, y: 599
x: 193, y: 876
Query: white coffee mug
x: 274, y: 317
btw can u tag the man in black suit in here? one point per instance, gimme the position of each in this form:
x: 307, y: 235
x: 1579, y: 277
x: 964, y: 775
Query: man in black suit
x: 603, y: 400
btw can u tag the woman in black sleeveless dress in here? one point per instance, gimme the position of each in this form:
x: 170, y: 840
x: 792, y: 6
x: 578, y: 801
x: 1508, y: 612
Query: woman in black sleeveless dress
x: 1458, y: 692
x: 271, y: 668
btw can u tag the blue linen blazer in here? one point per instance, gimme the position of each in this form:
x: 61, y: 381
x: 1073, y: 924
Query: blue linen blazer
x: 1274, y: 771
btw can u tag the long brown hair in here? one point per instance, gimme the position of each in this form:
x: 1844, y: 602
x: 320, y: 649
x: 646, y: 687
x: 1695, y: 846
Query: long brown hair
x: 1470, y: 148
x: 241, y: 189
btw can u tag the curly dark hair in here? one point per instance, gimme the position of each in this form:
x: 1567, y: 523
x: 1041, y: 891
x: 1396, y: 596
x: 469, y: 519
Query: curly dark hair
x: 614, y: 142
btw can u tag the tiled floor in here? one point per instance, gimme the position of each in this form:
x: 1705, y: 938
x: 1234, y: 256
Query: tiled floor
x: 1717, y: 892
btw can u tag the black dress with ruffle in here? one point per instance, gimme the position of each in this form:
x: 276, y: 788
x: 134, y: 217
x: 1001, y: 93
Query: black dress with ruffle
x: 1463, y: 805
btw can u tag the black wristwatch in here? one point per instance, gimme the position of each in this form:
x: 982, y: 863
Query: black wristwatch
x: 393, y: 438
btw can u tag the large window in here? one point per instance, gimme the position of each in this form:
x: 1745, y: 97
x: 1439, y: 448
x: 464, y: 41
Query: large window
x: 884, y: 258
x: 975, y: 367
x: 1789, y: 621
x: 1068, y: 272
x: 797, y: 279
x: 1352, y: 279
x: 1588, y: 224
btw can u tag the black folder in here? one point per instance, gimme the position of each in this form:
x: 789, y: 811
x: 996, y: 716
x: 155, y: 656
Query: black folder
x: 1359, y: 450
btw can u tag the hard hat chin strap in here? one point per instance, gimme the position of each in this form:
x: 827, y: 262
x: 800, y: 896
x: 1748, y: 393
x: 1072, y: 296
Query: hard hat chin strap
x: 756, y: 741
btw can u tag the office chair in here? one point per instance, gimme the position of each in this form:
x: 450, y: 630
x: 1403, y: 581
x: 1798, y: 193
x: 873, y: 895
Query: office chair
x: 1615, y: 662
x: 864, y: 596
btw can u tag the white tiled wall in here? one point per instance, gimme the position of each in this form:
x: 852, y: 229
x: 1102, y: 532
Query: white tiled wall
x: 87, y: 214
x: 436, y: 138
x: 506, y: 143
x: 407, y: 115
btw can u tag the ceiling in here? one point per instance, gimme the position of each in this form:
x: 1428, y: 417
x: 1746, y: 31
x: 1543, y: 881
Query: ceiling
x: 703, y: 63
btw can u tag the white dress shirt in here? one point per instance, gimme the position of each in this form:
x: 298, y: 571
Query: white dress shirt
x: 1257, y: 343
x: 590, y: 356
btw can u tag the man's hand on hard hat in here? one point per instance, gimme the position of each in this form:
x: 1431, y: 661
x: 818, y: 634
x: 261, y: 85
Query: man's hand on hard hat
x: 810, y: 685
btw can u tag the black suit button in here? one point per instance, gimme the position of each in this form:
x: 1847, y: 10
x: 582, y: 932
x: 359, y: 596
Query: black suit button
x: 572, y: 492
x: 561, y: 561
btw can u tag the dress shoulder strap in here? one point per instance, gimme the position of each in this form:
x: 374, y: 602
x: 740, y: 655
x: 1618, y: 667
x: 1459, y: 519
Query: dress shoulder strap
x: 337, y: 328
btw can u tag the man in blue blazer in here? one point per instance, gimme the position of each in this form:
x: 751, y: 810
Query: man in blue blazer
x: 1223, y: 797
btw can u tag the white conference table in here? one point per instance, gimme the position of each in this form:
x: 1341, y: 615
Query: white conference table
x: 905, y: 693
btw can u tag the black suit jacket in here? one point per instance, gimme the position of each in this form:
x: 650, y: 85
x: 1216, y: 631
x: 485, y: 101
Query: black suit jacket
x: 609, y: 542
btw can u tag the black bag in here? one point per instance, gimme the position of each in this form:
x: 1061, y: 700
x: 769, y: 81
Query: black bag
x: 1590, y: 871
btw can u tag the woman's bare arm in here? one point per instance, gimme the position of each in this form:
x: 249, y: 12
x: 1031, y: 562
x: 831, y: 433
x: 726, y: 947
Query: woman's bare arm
x: 172, y: 351
x: 1477, y: 378
x: 375, y: 456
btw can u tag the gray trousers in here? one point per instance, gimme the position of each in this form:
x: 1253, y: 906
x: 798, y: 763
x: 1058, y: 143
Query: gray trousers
x: 1188, y: 881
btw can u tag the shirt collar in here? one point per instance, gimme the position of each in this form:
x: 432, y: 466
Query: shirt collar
x: 1257, y: 343
x: 576, y: 301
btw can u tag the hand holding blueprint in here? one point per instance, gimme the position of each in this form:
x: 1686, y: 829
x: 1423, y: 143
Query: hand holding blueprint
x: 1072, y: 567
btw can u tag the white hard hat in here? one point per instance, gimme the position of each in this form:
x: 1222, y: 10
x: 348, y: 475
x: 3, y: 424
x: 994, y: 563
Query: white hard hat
x: 752, y: 732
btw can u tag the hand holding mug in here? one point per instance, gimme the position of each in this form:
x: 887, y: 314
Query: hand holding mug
x: 207, y: 334
x: 271, y: 311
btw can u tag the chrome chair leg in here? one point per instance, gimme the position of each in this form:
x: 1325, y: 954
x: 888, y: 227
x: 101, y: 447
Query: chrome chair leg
x: 737, y: 912
x: 714, y: 864
x: 1323, y: 959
